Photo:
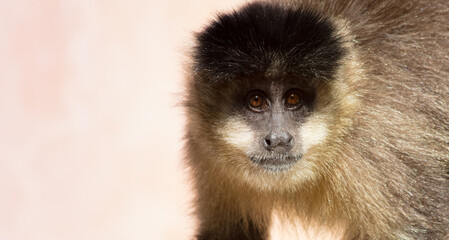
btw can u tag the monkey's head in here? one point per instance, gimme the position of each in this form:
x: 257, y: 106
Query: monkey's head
x: 269, y: 89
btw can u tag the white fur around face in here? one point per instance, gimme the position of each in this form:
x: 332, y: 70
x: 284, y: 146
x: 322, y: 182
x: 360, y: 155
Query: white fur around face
x: 313, y: 132
x: 238, y: 134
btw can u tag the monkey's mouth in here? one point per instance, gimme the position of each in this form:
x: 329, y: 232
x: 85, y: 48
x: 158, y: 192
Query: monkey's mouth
x: 275, y: 162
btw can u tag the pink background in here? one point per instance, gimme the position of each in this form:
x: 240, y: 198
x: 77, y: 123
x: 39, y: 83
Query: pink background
x: 90, y: 131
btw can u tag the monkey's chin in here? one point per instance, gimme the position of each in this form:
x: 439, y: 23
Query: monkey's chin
x: 275, y: 162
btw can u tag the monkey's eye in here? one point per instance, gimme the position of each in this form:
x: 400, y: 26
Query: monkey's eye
x: 257, y: 101
x: 293, y: 99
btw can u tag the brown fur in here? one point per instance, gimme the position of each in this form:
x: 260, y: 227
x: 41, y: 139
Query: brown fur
x: 382, y: 172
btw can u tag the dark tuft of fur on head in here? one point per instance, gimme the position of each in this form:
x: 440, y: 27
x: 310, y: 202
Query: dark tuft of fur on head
x: 267, y: 39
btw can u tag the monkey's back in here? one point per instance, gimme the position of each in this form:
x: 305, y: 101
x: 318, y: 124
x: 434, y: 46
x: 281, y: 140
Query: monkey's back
x: 402, y: 130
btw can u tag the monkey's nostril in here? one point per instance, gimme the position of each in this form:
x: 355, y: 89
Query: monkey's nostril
x: 290, y: 141
x: 267, y: 142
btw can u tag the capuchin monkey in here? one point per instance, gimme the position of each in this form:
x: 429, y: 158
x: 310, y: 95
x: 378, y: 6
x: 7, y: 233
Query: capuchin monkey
x: 332, y: 113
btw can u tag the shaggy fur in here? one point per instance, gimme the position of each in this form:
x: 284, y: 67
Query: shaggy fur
x: 377, y: 165
x: 245, y: 43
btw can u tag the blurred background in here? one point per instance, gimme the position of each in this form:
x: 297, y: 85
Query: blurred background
x: 90, y: 131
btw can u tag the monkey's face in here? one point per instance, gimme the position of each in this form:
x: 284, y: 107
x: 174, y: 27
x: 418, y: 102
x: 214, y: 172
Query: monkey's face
x: 266, y: 121
x: 269, y: 88
x: 266, y: 129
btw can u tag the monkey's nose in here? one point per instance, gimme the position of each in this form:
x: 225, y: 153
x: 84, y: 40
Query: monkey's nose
x: 278, y: 141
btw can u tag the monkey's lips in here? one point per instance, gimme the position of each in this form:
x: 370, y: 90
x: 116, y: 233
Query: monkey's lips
x: 275, y: 161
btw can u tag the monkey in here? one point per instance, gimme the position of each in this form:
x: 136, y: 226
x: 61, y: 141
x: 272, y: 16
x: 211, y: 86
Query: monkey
x: 334, y: 113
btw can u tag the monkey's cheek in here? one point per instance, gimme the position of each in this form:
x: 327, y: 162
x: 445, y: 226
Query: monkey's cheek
x: 312, y: 133
x: 237, y: 134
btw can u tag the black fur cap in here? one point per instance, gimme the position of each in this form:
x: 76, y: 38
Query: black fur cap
x: 263, y: 38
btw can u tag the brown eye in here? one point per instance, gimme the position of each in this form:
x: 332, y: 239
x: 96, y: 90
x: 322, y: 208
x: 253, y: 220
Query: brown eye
x: 293, y: 99
x: 257, y: 101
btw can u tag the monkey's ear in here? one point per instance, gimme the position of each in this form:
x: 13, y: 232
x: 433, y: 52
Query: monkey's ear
x: 264, y: 38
